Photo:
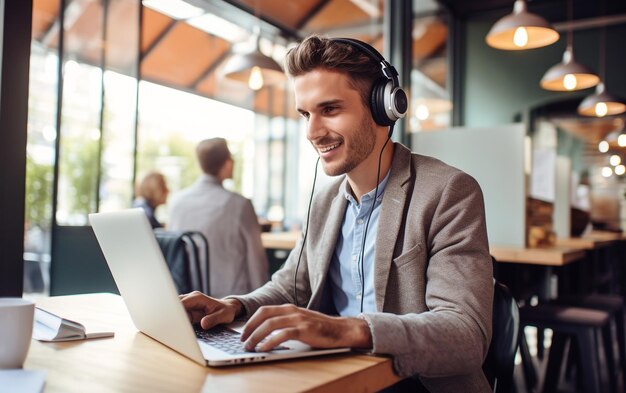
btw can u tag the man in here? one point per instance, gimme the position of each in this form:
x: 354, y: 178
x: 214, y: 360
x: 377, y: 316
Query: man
x: 228, y: 221
x: 427, y: 293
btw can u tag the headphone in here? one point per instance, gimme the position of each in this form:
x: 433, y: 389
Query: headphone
x: 388, y: 102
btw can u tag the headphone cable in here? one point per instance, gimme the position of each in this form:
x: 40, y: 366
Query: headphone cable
x: 370, y: 216
x: 306, y: 232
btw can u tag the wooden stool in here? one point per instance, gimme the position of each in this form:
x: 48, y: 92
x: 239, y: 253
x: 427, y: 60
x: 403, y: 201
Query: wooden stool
x: 614, y: 306
x: 579, y: 324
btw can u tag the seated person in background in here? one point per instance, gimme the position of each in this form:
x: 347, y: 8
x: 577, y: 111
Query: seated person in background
x: 150, y: 193
x: 237, y: 258
x: 419, y: 285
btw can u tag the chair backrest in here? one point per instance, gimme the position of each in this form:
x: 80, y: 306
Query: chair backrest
x: 187, y: 256
x: 500, y: 362
x: 200, y: 268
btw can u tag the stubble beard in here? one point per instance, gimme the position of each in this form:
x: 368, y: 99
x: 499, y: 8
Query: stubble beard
x: 360, y: 147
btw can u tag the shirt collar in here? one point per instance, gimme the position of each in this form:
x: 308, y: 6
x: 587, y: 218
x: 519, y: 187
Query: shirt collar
x: 205, y: 177
x: 347, y: 191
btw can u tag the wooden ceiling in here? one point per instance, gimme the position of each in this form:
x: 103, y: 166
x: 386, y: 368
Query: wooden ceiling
x: 178, y: 55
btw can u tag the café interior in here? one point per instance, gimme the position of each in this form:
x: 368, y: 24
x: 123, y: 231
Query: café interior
x: 528, y: 97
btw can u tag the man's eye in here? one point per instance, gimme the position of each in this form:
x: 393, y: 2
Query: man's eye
x: 304, y: 115
x: 329, y: 109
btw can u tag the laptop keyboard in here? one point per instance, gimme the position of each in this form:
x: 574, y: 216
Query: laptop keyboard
x: 225, y: 339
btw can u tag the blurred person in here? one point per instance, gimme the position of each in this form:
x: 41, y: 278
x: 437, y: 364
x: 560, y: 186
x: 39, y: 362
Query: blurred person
x: 238, y: 261
x: 150, y: 193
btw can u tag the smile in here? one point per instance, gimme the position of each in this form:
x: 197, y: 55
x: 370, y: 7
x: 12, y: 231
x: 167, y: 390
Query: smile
x: 328, y: 148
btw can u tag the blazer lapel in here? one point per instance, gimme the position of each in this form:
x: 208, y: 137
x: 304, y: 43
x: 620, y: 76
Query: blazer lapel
x: 324, y: 248
x: 390, y: 221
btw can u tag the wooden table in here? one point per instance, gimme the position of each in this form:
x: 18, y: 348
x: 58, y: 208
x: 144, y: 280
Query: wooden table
x: 604, y: 235
x: 586, y: 243
x: 604, y: 259
x: 551, y: 256
x: 544, y: 256
x: 280, y: 240
x: 131, y: 361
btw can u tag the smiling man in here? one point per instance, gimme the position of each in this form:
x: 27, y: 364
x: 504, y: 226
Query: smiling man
x: 395, y: 257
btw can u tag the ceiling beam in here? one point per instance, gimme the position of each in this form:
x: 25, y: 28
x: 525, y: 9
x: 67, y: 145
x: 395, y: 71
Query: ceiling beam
x: 590, y: 23
x: 209, y: 70
x: 73, y: 11
x: 158, y: 39
x: 285, y: 30
x: 318, y: 7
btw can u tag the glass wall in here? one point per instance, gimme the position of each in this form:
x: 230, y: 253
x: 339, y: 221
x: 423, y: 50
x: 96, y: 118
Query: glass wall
x: 40, y: 158
x: 81, y: 120
x: 431, y: 104
x: 119, y: 113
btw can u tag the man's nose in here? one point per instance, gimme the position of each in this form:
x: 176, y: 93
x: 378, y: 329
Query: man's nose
x: 314, y: 128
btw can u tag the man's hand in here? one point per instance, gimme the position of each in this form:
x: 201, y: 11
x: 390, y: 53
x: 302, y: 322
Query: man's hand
x: 311, y: 327
x: 209, y: 311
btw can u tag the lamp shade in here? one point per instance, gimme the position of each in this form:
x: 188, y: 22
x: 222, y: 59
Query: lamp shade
x: 521, y: 30
x: 569, y: 75
x: 253, y: 68
x: 601, y: 104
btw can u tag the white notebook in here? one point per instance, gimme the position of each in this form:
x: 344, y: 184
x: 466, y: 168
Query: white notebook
x: 51, y: 327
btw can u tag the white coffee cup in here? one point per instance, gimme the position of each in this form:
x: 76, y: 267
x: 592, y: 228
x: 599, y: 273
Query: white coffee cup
x: 16, y: 330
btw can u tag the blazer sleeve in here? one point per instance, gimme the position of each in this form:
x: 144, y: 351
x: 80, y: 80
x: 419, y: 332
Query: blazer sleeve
x: 452, y: 337
x: 256, y: 259
x: 280, y: 289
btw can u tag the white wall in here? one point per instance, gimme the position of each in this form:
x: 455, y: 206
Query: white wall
x: 494, y: 156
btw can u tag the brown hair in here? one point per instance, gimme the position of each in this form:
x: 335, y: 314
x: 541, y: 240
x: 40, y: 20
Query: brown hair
x: 319, y: 52
x: 212, y: 155
x: 151, y: 187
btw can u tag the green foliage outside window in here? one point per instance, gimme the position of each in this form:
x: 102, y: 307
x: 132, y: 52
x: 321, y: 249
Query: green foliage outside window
x: 38, y: 193
x: 79, y: 171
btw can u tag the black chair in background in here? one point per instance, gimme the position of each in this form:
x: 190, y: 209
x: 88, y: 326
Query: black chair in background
x: 500, y: 362
x: 187, y: 256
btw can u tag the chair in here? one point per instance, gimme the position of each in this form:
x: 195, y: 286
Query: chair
x: 187, y: 256
x: 614, y: 306
x: 500, y: 362
x: 579, y: 325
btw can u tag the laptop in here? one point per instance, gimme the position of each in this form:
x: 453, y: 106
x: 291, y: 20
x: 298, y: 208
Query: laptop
x: 144, y: 281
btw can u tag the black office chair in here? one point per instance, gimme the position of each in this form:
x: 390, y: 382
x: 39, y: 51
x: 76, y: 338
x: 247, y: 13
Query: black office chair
x: 500, y: 362
x: 187, y: 256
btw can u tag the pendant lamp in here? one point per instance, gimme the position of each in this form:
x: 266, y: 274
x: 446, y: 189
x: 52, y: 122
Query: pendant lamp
x: 601, y: 103
x: 569, y: 75
x: 253, y: 67
x: 521, y: 30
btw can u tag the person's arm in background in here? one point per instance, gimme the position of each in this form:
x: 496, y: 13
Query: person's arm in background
x: 256, y: 258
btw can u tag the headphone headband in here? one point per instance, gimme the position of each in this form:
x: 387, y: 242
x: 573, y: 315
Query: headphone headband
x: 388, y: 70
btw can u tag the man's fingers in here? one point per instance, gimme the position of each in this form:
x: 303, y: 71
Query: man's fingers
x: 263, y: 314
x: 198, y: 301
x: 214, y: 319
x: 266, y: 328
x: 280, y: 337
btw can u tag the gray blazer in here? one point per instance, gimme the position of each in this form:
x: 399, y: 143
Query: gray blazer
x: 433, y: 273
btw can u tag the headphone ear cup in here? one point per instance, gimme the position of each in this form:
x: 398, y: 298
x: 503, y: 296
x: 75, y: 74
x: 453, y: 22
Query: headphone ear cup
x: 377, y: 102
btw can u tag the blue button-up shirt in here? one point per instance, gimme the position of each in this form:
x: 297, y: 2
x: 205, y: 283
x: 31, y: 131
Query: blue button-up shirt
x: 345, y: 268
